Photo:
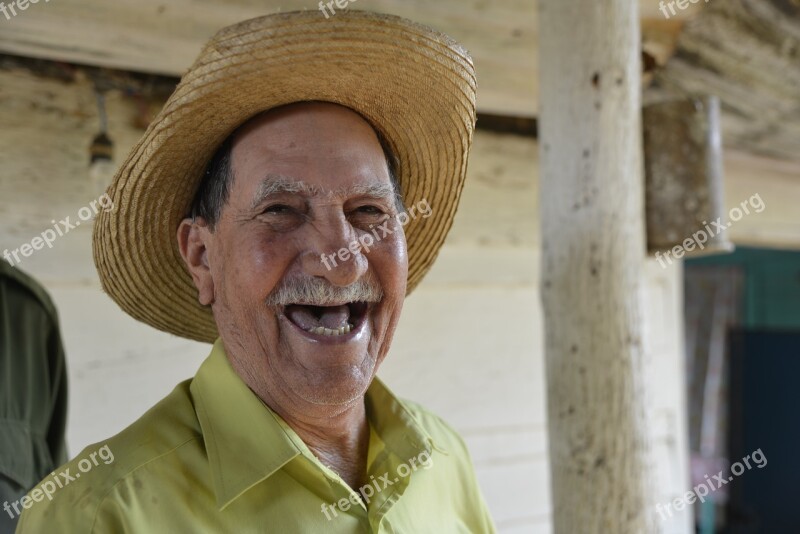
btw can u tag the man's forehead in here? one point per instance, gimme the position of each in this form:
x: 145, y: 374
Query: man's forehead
x: 311, y: 113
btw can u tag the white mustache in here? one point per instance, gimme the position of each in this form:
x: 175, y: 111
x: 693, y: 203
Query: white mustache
x: 319, y: 292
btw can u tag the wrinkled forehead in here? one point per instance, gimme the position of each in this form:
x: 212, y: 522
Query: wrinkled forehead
x: 294, y: 129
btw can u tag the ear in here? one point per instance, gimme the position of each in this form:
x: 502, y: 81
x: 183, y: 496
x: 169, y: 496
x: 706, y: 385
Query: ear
x: 194, y: 238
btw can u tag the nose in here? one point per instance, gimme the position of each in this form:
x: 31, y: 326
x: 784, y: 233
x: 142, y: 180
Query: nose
x: 335, y: 253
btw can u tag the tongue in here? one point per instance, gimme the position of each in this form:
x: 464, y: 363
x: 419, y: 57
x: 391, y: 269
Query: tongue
x: 331, y: 317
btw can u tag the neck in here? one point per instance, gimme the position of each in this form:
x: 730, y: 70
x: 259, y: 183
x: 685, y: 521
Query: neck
x: 338, y: 434
x: 339, y: 439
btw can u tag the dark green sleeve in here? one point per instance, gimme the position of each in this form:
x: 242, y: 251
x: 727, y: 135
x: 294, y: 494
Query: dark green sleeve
x: 56, y: 430
x: 33, y: 384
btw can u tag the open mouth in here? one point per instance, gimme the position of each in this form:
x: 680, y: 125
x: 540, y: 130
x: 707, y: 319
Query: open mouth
x: 336, y: 320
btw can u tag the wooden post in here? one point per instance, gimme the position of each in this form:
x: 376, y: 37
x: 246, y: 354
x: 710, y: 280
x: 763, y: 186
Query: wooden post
x: 593, y: 230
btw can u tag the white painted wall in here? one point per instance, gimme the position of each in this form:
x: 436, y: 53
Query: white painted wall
x: 469, y: 345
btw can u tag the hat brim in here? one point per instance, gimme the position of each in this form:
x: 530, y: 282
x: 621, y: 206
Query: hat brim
x: 413, y: 84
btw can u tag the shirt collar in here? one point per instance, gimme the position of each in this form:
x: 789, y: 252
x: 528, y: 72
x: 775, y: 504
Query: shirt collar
x: 397, y: 427
x: 244, y: 441
x: 247, y: 442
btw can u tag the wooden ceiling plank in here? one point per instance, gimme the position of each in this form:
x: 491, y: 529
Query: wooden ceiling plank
x: 154, y: 36
x: 746, y: 52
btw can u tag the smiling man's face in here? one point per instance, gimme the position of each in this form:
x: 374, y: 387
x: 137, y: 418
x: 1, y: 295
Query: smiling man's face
x: 308, y: 180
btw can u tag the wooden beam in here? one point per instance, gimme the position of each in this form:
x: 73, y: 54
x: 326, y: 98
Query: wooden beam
x: 164, y: 38
x: 593, y: 252
x: 154, y: 36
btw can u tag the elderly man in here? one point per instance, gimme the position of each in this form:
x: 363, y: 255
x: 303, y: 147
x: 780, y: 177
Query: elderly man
x: 290, y: 140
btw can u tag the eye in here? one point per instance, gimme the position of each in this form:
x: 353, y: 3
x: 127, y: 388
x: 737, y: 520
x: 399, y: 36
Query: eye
x: 370, y: 210
x: 279, y: 209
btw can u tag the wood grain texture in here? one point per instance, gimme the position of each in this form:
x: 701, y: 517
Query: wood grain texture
x: 160, y: 37
x: 593, y: 251
x: 747, y: 52
x: 165, y: 37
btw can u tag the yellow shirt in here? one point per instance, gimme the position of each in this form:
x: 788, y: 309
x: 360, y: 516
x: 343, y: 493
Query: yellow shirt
x: 211, y: 457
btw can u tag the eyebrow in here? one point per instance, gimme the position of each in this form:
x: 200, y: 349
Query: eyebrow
x: 274, y: 184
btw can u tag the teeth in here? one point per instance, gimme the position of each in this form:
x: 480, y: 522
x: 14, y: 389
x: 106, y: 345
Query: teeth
x: 322, y: 331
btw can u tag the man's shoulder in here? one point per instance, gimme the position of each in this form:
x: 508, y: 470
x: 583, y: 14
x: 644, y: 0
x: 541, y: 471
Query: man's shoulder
x: 28, y: 288
x: 440, y: 431
x: 454, y: 468
x: 73, y: 495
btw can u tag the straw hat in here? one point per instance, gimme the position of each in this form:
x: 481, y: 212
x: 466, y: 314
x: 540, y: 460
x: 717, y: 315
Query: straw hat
x: 413, y: 84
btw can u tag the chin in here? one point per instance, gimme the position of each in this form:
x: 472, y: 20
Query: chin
x: 338, y: 386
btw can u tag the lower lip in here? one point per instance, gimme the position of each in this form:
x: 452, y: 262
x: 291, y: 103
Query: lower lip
x: 352, y: 335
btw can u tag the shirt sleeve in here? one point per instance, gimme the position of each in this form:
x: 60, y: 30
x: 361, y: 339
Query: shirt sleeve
x: 483, y: 519
x: 480, y: 520
x: 56, y: 429
x: 87, y: 507
x: 476, y: 514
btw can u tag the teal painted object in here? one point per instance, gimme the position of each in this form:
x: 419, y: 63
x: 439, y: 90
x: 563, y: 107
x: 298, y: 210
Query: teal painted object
x: 772, y: 285
x: 708, y: 518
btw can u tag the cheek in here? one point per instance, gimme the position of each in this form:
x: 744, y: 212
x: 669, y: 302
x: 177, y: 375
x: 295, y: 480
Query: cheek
x: 400, y: 249
x: 258, y: 263
x: 390, y: 262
